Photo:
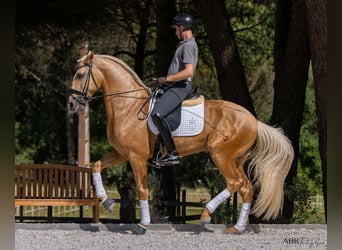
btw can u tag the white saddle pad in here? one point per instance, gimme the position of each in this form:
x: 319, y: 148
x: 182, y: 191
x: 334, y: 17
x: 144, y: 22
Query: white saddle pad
x: 192, y: 122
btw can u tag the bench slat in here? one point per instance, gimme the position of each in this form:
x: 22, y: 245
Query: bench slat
x: 54, y: 202
x: 40, y: 183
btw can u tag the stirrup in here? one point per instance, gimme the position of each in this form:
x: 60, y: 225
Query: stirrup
x: 168, y: 160
x: 158, y: 150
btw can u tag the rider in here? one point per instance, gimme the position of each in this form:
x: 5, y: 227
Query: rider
x: 176, y: 85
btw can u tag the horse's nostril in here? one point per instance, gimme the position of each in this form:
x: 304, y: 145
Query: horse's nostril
x: 71, y: 105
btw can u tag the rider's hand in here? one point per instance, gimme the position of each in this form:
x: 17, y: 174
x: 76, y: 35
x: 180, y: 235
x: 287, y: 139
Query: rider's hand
x: 161, y: 81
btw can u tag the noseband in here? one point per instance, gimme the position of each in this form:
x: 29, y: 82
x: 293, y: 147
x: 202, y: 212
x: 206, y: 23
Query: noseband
x: 84, y: 92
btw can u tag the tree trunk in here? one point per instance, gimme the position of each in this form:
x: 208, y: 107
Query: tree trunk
x: 141, y: 43
x: 317, y: 23
x: 291, y: 57
x: 228, y: 64
x: 166, y: 42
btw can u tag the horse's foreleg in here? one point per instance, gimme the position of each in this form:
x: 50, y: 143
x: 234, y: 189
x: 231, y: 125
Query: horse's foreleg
x: 145, y: 218
x: 110, y: 160
x: 140, y: 175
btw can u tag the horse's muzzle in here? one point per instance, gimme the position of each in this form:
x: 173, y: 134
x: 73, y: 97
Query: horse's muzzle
x: 74, y: 106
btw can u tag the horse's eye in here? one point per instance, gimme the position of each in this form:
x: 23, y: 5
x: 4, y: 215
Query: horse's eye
x: 79, y: 75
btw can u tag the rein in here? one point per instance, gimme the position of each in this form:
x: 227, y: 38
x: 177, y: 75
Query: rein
x: 84, y: 92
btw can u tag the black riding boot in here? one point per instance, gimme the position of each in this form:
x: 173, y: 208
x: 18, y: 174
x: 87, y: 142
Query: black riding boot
x: 172, y: 157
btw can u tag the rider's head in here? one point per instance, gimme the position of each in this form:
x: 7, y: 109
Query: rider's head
x: 184, y: 19
x: 182, y: 22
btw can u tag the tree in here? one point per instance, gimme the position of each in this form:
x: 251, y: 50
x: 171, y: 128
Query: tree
x: 165, y: 39
x: 291, y: 64
x: 230, y: 72
x: 317, y: 23
x: 165, y: 179
x: 134, y: 17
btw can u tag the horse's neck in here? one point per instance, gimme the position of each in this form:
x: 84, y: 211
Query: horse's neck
x: 123, y: 95
x: 123, y: 89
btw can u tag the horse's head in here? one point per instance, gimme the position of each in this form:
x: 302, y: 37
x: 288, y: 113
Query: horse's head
x: 86, y: 81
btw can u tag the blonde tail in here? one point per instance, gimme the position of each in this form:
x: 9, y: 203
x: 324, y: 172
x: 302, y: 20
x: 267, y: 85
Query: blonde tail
x: 271, y: 159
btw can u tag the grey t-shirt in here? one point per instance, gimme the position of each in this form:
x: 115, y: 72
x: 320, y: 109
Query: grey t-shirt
x: 187, y: 52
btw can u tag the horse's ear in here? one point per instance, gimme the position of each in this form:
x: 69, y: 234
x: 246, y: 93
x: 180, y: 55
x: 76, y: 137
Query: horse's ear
x: 87, y: 58
x: 90, y: 55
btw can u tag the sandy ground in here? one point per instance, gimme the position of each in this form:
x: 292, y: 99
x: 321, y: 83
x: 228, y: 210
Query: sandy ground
x: 167, y: 236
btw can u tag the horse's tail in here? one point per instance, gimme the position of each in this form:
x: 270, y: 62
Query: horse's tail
x: 271, y: 159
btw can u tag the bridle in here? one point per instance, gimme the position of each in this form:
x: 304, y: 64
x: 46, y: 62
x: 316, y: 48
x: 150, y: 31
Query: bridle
x: 85, y: 98
x: 84, y: 92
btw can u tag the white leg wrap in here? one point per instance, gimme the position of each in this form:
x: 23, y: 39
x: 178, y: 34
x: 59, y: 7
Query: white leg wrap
x: 214, y: 203
x: 242, y: 221
x: 144, y: 212
x: 100, y: 191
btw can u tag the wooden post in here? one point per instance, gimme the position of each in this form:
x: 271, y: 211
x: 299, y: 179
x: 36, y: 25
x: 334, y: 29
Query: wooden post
x: 83, y: 130
x: 83, y: 125
x: 183, y: 206
x: 178, y: 205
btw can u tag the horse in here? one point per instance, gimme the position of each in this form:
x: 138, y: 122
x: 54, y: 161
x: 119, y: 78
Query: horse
x: 231, y: 135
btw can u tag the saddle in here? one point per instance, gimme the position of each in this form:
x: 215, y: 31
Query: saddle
x: 187, y: 119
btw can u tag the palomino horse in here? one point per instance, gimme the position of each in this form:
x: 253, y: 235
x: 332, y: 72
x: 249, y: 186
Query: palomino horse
x: 231, y: 135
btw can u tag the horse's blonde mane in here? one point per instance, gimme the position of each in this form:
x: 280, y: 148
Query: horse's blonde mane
x: 126, y: 67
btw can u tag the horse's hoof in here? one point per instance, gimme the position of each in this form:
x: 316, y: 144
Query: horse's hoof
x: 109, y: 204
x: 231, y: 230
x: 205, y: 217
x: 140, y: 229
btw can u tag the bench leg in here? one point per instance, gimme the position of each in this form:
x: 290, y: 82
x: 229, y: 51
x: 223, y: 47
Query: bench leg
x: 96, y: 212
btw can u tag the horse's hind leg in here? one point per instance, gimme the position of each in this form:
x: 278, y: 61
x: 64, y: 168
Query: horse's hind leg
x: 227, y: 168
x: 246, y: 191
x: 236, y: 180
x: 109, y: 160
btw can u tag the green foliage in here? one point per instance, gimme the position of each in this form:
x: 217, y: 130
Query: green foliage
x: 197, y: 170
x: 303, y: 209
x: 309, y: 180
x: 253, y: 24
x: 22, y: 155
x: 261, y: 91
x: 309, y: 167
x: 114, y: 174
x: 40, y: 104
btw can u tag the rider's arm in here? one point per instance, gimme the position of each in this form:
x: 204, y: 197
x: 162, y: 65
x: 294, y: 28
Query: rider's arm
x: 187, y: 72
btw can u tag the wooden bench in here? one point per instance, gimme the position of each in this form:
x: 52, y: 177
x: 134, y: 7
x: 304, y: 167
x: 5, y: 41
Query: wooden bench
x: 55, y: 185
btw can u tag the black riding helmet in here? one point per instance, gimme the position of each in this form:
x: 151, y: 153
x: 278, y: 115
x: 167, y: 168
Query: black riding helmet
x: 184, y: 19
